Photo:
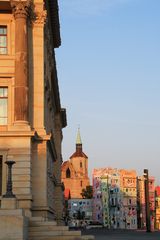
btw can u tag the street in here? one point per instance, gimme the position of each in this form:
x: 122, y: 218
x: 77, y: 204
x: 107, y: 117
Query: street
x: 104, y: 234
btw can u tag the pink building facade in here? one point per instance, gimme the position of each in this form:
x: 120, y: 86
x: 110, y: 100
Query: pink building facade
x: 157, y: 196
x: 129, y: 198
x: 97, y: 195
x: 115, y: 198
x: 152, y: 201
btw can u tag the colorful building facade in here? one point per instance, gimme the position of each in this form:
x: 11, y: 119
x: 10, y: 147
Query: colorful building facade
x: 128, y: 190
x: 152, y: 201
x: 157, y: 207
x: 115, y: 198
x: 80, y: 210
x: 141, y: 202
x: 111, y: 199
x: 97, y: 195
x: 141, y: 207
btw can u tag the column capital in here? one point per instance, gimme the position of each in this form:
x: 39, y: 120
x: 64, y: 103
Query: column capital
x: 20, y: 8
x: 40, y: 17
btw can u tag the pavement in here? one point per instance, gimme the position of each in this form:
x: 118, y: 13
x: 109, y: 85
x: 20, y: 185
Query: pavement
x: 105, y: 234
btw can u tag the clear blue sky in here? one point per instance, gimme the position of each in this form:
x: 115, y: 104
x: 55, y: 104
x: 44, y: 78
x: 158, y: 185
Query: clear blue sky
x: 109, y: 78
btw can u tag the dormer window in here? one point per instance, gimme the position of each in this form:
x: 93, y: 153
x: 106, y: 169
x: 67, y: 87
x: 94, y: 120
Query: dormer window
x: 3, y: 39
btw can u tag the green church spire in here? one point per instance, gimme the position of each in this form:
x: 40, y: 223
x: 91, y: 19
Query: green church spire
x: 78, y: 140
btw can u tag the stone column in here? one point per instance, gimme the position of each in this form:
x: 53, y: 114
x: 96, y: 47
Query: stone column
x: 21, y: 11
x: 39, y: 61
x: 58, y: 193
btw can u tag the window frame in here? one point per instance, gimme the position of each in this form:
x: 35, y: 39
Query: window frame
x: 8, y: 20
x: 3, y: 154
x: 8, y: 82
x: 4, y: 97
x: 1, y: 174
x: 4, y: 35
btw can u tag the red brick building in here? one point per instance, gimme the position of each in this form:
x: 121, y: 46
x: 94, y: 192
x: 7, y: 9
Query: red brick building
x: 75, y: 171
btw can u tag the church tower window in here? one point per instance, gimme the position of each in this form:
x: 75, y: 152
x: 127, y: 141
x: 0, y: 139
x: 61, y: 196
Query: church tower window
x: 68, y: 173
x: 81, y: 183
x: 80, y: 164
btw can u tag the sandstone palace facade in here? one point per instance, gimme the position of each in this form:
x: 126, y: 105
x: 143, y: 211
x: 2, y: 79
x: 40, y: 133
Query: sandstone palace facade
x: 31, y: 123
x: 31, y: 117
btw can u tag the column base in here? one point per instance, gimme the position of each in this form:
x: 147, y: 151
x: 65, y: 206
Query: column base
x: 22, y: 125
x: 8, y: 203
x: 13, y: 225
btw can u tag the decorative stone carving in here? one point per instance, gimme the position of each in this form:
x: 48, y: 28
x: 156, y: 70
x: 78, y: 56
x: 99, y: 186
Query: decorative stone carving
x: 20, y: 8
x: 40, y: 17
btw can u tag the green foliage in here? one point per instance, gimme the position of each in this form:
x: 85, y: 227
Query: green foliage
x: 87, y: 192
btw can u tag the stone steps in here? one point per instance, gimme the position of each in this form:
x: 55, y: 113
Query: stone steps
x: 37, y: 219
x: 45, y: 228
x: 41, y: 224
x: 87, y: 237
x: 58, y: 238
x: 54, y: 233
x: 48, y: 230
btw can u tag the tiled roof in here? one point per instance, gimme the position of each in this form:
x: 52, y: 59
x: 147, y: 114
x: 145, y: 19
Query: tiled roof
x: 65, y: 164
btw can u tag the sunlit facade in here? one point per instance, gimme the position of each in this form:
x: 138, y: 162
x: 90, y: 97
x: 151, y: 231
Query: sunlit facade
x: 157, y: 207
x: 115, y: 198
x: 141, y: 202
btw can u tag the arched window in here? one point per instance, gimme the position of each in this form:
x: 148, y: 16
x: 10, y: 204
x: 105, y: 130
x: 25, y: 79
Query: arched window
x: 68, y: 173
x: 80, y: 164
x: 81, y: 183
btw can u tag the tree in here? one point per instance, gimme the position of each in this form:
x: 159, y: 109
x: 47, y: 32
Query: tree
x: 87, y: 192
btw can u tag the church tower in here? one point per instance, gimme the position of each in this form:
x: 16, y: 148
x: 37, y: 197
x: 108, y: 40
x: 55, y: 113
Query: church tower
x: 75, y: 171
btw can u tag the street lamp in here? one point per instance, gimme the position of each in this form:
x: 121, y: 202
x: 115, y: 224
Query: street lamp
x: 9, y: 193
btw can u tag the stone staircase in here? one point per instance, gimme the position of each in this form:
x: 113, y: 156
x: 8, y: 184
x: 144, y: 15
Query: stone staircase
x: 39, y: 229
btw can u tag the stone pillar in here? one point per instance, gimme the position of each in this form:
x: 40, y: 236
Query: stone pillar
x: 39, y: 62
x: 58, y: 194
x: 21, y: 11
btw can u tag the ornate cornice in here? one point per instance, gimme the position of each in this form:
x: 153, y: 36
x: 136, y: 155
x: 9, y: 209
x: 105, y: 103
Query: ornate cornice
x: 20, y: 8
x: 53, y: 8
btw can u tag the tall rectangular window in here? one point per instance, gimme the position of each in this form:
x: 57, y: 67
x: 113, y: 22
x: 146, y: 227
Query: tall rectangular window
x: 0, y: 175
x: 3, y: 39
x: 3, y: 105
